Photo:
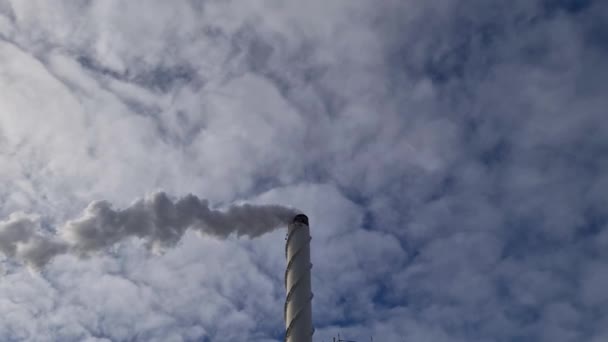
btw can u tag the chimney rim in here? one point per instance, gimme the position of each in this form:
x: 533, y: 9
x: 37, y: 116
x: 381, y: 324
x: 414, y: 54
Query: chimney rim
x: 300, y: 218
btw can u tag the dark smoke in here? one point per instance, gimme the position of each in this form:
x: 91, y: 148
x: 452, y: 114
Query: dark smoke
x: 156, y: 219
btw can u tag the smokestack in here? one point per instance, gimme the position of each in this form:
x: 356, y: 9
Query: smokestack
x: 298, y: 309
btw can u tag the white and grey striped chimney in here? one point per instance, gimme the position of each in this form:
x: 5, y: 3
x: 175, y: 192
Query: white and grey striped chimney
x: 298, y: 308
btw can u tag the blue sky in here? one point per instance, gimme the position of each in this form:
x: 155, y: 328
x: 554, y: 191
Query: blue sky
x: 451, y: 157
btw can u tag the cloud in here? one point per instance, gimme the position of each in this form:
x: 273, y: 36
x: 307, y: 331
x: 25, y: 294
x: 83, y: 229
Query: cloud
x: 449, y: 156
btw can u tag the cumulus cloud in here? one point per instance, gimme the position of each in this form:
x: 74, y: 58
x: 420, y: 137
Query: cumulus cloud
x: 450, y: 157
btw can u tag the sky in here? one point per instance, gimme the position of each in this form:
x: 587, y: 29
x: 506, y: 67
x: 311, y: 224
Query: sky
x: 451, y: 157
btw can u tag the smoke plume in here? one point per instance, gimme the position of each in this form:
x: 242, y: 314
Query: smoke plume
x: 156, y: 219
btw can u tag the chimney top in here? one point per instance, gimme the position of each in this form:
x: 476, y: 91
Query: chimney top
x: 301, y: 218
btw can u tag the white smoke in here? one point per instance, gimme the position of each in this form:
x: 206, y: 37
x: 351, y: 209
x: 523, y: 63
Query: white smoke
x: 156, y: 219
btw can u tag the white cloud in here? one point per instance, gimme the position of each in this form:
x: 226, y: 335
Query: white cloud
x: 449, y: 156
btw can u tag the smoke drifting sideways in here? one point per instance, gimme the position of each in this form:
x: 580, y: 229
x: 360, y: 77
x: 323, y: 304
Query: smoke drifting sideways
x: 155, y: 219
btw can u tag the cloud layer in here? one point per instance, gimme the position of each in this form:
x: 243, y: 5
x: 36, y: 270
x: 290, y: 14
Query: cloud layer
x: 450, y: 157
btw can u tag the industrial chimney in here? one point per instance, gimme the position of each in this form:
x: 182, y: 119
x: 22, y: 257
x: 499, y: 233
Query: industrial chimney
x: 298, y: 309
